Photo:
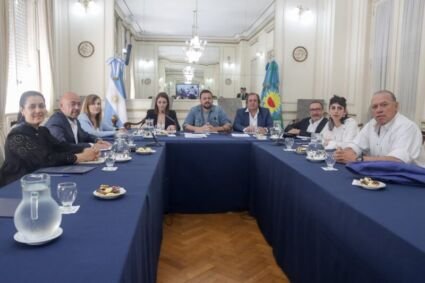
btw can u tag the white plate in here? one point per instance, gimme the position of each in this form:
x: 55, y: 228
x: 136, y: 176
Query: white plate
x: 123, y: 159
x: 21, y: 239
x: 261, y: 138
x: 99, y: 195
x: 304, y: 138
x: 109, y: 169
x: 315, y: 159
x: 100, y: 160
x: 152, y: 151
x: 378, y: 187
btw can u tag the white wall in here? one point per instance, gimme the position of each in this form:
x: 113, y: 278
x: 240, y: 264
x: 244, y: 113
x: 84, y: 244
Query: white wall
x: 72, y: 26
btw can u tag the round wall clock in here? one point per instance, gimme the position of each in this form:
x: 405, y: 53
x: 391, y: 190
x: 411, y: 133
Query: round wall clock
x: 228, y: 81
x: 86, y: 49
x: 300, y: 54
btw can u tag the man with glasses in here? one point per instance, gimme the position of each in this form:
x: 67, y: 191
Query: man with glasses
x: 312, y: 124
x: 64, y: 125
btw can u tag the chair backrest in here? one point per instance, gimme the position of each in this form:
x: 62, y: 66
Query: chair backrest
x: 230, y: 106
x: 2, y: 142
x: 303, y: 107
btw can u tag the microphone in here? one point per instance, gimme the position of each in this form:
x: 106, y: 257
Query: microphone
x: 171, y: 119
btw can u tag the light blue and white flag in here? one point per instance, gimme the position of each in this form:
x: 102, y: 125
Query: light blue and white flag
x: 115, y: 104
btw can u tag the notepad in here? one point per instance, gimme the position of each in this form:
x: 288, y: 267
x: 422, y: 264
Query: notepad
x: 236, y: 135
x: 194, y: 136
x: 8, y: 206
x: 73, y: 169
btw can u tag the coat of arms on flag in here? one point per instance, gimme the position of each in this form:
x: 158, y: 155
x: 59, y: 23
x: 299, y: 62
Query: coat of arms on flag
x: 270, y: 97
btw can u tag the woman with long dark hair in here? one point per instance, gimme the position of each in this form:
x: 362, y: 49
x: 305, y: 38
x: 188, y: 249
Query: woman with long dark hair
x: 162, y: 115
x: 340, y: 129
x: 30, y: 146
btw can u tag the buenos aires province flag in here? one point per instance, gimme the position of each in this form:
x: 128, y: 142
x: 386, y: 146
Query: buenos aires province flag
x: 270, y: 97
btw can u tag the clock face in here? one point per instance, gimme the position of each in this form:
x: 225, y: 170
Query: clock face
x: 300, y: 54
x: 86, y: 49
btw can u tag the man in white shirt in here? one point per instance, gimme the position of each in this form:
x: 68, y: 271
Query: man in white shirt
x: 312, y: 124
x: 389, y: 136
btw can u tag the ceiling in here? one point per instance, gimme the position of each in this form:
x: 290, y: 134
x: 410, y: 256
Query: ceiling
x: 217, y: 19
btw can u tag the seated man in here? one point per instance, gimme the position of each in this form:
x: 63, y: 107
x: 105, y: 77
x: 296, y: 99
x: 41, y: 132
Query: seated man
x: 312, y: 124
x: 207, y: 117
x: 253, y: 117
x: 64, y: 125
x: 388, y: 136
x: 242, y: 94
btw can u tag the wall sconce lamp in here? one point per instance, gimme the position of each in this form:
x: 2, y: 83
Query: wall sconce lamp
x: 304, y: 15
x: 259, y: 54
x: 86, y: 4
x: 229, y: 63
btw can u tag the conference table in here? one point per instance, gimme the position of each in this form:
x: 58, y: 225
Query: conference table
x: 321, y: 228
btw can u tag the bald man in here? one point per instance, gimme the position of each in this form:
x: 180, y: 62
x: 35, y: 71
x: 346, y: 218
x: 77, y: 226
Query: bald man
x: 388, y: 136
x: 64, y: 125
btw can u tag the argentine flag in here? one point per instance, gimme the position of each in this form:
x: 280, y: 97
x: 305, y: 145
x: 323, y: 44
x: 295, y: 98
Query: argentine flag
x: 115, y: 95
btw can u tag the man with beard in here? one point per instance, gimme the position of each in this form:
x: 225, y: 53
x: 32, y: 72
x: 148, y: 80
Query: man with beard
x: 207, y: 117
x: 64, y: 125
x: 312, y: 124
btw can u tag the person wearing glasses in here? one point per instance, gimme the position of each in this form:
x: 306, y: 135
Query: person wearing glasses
x: 313, y: 124
x: 64, y: 124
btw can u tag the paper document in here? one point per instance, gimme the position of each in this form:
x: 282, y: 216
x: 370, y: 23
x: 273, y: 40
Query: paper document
x: 240, y: 135
x: 194, y: 136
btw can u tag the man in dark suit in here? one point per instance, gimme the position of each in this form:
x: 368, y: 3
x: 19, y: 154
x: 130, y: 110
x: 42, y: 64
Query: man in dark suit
x: 312, y: 124
x: 253, y: 118
x: 64, y: 125
x: 242, y: 95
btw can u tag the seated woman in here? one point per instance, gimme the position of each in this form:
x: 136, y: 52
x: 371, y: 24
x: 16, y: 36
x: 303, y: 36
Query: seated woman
x: 253, y: 118
x: 91, y: 118
x: 162, y: 115
x: 340, y: 129
x: 30, y: 146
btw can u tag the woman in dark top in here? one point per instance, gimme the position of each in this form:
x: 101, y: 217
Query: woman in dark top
x: 30, y: 146
x: 162, y: 115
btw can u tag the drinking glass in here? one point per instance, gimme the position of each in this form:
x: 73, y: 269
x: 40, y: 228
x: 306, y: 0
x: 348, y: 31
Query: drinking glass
x: 110, y: 161
x: 67, y: 192
x: 330, y: 159
x: 289, y: 143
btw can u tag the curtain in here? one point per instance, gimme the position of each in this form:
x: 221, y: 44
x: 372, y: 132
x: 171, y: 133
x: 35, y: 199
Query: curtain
x: 383, y: 23
x: 45, y: 30
x: 411, y: 36
x: 4, y: 60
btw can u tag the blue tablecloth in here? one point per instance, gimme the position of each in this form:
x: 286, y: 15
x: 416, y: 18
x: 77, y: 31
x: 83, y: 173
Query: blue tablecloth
x: 208, y: 175
x: 323, y: 229
x: 106, y: 241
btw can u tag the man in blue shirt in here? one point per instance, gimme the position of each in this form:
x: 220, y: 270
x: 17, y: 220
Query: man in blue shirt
x: 207, y: 117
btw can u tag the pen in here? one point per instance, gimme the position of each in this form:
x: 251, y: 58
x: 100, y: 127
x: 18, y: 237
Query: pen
x: 58, y: 175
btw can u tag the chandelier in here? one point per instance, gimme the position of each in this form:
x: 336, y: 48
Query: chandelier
x: 188, y: 74
x: 195, y: 46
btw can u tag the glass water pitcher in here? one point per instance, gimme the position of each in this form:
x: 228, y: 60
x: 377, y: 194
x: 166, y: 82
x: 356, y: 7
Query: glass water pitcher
x: 37, y: 216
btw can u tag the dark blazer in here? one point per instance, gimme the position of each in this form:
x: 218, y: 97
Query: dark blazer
x: 60, y: 128
x: 303, y: 125
x: 264, y: 119
x: 170, y: 120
